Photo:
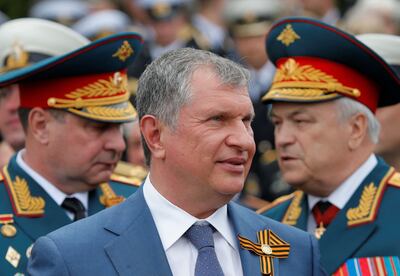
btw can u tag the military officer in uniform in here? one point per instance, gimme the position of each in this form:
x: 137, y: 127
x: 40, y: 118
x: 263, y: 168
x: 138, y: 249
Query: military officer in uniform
x: 25, y: 41
x: 387, y: 46
x: 169, y: 31
x: 325, y: 92
x: 72, y: 108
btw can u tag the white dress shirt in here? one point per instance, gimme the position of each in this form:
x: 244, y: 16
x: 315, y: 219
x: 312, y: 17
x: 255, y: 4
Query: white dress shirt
x: 57, y: 195
x: 343, y: 193
x: 172, y: 223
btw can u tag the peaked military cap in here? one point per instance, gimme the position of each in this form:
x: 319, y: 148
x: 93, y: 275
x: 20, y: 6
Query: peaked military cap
x: 28, y: 40
x: 160, y: 10
x: 387, y: 46
x: 251, y: 17
x: 90, y: 81
x: 318, y: 62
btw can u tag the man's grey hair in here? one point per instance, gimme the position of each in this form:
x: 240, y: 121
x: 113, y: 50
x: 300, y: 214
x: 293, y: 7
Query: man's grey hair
x: 348, y: 107
x: 165, y: 86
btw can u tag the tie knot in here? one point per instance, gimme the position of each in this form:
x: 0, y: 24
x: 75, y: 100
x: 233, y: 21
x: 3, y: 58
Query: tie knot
x: 324, y: 212
x: 200, y: 235
x: 323, y: 206
x: 75, y: 206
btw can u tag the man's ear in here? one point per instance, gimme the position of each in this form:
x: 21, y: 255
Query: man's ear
x: 152, y: 130
x: 359, y: 130
x: 38, y: 121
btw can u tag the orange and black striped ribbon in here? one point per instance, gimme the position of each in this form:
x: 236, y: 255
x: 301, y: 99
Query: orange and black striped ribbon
x: 276, y: 248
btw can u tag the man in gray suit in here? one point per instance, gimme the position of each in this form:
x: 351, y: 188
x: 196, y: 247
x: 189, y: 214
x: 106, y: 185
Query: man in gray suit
x: 195, y: 118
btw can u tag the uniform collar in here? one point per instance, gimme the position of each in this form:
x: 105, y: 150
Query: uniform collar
x: 343, y: 193
x: 172, y: 222
x: 57, y: 195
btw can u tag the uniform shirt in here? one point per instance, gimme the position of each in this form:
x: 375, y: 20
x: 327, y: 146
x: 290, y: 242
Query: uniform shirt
x: 172, y: 222
x: 214, y: 33
x: 57, y: 195
x: 260, y: 80
x: 343, y: 193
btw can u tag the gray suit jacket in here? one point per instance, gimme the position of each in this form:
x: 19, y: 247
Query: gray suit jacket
x: 123, y: 240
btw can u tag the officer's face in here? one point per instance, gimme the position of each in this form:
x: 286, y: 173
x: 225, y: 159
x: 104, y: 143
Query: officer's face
x: 210, y: 151
x: 83, y: 151
x: 312, y: 145
x: 252, y: 50
x: 10, y: 125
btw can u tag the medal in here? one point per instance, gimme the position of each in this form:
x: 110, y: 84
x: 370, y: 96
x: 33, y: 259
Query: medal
x: 319, y: 231
x: 7, y: 229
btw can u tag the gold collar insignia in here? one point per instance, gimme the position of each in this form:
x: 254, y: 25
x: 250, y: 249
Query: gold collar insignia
x: 368, y: 204
x: 23, y: 202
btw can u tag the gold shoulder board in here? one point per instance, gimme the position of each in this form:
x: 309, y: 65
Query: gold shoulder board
x: 129, y: 174
x: 394, y: 180
x: 276, y: 202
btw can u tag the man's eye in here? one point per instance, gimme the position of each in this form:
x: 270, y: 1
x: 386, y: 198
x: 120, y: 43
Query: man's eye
x: 217, y: 118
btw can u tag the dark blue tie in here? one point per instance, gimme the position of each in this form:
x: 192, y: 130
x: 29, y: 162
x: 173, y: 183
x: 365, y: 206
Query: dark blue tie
x: 75, y: 206
x: 201, y: 236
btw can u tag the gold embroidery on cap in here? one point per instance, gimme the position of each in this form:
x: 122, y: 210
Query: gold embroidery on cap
x: 249, y: 17
x: 100, y: 92
x: 124, y: 52
x: 111, y: 111
x: 17, y: 58
x: 295, y: 81
x: 109, y: 198
x: 161, y: 9
x: 288, y: 35
x: 24, y: 202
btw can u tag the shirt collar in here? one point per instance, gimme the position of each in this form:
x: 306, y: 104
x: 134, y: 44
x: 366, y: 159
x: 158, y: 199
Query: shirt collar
x: 343, y: 193
x: 172, y: 222
x: 57, y: 195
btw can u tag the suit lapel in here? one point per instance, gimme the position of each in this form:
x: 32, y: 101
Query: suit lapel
x: 137, y: 247
x: 246, y: 228
x: 341, y: 241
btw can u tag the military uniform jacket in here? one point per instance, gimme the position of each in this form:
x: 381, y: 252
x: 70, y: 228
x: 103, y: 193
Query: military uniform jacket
x: 28, y: 212
x: 364, y: 233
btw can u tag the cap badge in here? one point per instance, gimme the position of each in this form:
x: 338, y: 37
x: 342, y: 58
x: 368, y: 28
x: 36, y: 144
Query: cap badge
x: 124, y: 52
x: 17, y: 58
x: 161, y: 9
x: 288, y: 35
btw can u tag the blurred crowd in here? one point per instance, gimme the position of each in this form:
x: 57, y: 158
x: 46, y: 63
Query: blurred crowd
x: 235, y: 29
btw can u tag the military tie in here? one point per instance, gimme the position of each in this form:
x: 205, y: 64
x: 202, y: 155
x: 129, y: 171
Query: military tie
x: 75, y: 206
x: 201, y: 236
x: 324, y: 212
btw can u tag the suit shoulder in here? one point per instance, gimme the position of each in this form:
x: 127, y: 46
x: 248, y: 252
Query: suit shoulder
x: 280, y: 201
x: 129, y: 174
